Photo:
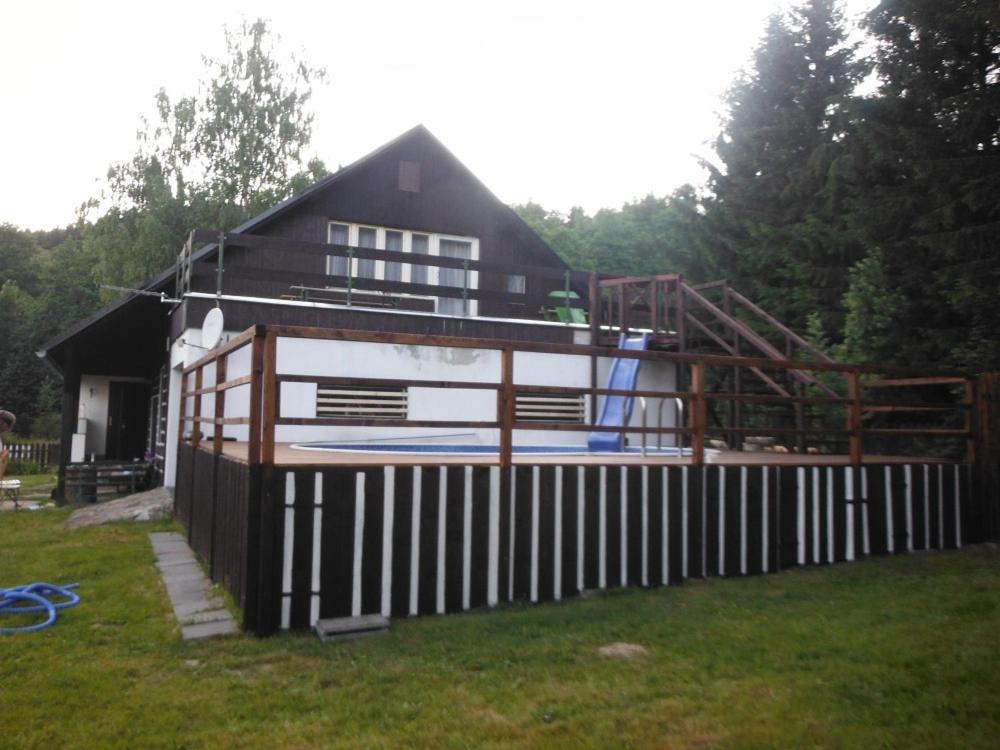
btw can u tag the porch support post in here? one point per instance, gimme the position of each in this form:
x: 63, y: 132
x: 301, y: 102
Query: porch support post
x: 70, y: 406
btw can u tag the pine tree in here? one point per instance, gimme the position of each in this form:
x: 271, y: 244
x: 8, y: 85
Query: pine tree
x: 773, y: 223
x: 928, y: 162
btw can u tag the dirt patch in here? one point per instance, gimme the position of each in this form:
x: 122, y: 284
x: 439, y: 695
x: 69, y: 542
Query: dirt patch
x: 625, y: 651
x: 142, y: 506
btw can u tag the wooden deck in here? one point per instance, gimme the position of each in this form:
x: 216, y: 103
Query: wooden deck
x: 287, y: 456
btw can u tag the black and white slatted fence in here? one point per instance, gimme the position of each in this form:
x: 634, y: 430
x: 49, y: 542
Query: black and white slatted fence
x: 404, y: 540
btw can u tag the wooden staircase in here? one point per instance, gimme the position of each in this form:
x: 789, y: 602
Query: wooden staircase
x: 713, y: 318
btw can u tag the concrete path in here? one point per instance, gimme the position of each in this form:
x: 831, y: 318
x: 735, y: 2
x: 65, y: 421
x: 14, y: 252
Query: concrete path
x: 200, y: 614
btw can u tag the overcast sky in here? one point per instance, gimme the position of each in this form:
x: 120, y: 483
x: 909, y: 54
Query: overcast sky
x: 563, y: 103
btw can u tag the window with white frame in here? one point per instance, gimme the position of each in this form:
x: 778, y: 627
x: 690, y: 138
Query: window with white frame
x: 404, y: 242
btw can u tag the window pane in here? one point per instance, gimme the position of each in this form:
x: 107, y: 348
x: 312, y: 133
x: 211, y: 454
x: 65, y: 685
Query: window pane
x: 515, y: 284
x: 366, y: 267
x: 421, y: 246
x: 453, y: 276
x: 394, y: 243
x: 336, y: 266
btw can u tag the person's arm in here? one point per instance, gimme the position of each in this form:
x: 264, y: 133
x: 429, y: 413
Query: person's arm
x: 4, y: 458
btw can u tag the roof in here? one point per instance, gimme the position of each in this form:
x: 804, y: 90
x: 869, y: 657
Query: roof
x: 163, y: 281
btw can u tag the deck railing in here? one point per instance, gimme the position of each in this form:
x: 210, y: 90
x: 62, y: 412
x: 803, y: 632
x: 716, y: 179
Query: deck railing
x: 478, y: 282
x: 914, y: 412
x: 237, y: 513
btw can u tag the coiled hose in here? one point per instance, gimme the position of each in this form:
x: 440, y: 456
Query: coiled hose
x: 33, y: 598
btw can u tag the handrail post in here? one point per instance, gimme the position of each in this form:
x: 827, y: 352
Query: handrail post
x: 269, y: 401
x: 595, y: 338
x: 182, y: 421
x: 698, y: 413
x: 196, y: 426
x: 220, y: 404
x: 221, y: 266
x: 970, y: 401
x: 854, y: 416
x: 642, y: 405
x: 566, y: 291
x: 350, y: 273
x: 465, y: 286
x: 506, y: 401
x: 681, y: 315
x: 256, y: 381
x: 659, y: 425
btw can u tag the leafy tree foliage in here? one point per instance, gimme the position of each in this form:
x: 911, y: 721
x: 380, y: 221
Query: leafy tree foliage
x: 645, y: 236
x: 209, y: 160
x: 213, y: 159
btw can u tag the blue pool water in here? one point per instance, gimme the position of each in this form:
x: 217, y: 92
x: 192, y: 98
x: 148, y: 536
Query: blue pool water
x: 471, y: 450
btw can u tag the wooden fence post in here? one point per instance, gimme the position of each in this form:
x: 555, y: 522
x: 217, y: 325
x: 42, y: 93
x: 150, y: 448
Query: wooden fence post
x: 854, y: 416
x: 506, y: 408
x: 252, y: 597
x: 698, y: 413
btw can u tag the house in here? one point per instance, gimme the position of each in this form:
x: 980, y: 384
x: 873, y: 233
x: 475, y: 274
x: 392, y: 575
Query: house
x: 275, y: 371
x: 121, y: 366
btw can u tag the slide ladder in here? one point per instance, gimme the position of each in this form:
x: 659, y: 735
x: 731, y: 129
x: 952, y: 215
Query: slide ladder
x: 617, y: 410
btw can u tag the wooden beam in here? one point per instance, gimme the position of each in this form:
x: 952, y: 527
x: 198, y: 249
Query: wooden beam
x: 914, y: 381
x: 456, y: 342
x: 384, y: 422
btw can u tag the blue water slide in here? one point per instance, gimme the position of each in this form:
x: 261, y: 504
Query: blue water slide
x: 617, y: 410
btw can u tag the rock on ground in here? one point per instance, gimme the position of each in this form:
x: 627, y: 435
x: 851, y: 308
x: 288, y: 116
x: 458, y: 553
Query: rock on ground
x: 627, y: 651
x: 142, y: 506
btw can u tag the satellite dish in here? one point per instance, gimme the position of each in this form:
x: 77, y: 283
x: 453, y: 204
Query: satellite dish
x: 211, y: 328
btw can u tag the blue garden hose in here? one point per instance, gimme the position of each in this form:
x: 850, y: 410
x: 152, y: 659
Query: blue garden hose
x: 33, y: 598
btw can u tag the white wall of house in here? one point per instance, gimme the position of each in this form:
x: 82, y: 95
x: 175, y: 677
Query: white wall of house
x: 95, y: 397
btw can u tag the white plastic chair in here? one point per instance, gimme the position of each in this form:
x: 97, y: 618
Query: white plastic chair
x: 10, y: 489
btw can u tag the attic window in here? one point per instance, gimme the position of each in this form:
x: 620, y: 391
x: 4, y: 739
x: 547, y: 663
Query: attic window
x: 409, y: 176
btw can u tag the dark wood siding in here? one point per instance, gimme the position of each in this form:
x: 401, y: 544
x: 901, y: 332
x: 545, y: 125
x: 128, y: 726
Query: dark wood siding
x: 450, y: 201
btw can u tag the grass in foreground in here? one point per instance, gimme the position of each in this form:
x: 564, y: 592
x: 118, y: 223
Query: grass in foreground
x: 885, y: 653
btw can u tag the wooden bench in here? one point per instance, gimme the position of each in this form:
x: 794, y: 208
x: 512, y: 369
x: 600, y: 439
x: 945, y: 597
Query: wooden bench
x: 86, y: 482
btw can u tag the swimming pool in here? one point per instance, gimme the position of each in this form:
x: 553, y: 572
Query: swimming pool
x: 476, y: 450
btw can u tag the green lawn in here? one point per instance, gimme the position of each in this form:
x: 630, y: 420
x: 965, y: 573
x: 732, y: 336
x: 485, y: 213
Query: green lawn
x: 887, y: 653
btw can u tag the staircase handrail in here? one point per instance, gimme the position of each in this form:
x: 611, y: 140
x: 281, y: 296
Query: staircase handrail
x: 781, y: 327
x: 750, y: 335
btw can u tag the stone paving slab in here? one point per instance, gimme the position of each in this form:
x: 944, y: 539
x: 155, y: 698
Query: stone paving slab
x: 188, y: 608
x: 209, y: 630
x: 212, y: 615
x: 200, y: 614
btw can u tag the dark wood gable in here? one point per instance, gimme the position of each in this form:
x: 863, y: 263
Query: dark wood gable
x: 412, y: 183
